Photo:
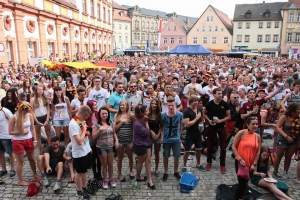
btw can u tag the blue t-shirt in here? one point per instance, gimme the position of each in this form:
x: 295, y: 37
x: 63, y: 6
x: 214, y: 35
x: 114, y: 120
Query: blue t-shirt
x: 114, y: 100
x: 172, y: 127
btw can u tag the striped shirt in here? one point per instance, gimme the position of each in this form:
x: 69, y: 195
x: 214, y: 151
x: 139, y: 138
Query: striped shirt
x: 294, y: 99
x: 125, y: 133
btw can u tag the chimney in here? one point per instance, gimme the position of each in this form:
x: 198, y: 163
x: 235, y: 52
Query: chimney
x: 187, y: 21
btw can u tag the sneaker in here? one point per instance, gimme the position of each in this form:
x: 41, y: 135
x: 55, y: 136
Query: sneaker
x: 285, y: 175
x: 208, y: 166
x: 3, y: 173
x: 56, y: 186
x: 112, y: 183
x: 45, y: 182
x: 12, y: 173
x: 105, y: 184
x: 89, y: 191
x: 85, y: 195
x: 177, y: 175
x: 200, y: 167
x: 223, y: 169
x: 165, y: 177
x: 276, y: 175
x: 190, y: 157
x: 79, y: 193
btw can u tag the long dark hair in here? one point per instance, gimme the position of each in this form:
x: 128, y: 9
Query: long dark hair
x: 55, y: 97
x: 291, y: 109
x: 99, y: 115
x: 158, y: 109
x: 14, y: 97
x: 263, y: 149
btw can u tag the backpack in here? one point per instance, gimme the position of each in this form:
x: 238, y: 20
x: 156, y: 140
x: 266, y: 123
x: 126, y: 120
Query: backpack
x: 33, y: 188
x: 114, y: 197
x: 93, y: 184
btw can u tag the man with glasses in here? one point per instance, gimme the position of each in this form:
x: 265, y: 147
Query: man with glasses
x: 252, y: 106
x: 133, y: 97
x: 193, y: 87
x: 209, y: 88
x: 99, y: 94
x: 216, y: 112
x: 52, y: 162
x: 150, y: 94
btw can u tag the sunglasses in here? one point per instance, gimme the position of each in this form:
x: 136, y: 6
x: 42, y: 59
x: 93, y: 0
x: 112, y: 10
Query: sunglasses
x: 253, y: 117
x: 132, y: 86
x: 235, y: 97
x: 211, y: 80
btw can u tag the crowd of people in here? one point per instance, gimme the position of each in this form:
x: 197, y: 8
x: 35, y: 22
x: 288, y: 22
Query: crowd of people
x: 146, y: 104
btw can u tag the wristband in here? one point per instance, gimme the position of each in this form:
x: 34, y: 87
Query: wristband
x: 34, y: 141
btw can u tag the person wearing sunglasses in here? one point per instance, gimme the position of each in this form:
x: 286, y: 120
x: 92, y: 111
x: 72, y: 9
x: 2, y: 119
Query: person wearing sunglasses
x: 209, y: 88
x: 133, y: 97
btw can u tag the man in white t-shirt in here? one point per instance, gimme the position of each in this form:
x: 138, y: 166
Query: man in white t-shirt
x: 80, y: 101
x: 5, y: 143
x: 165, y: 97
x: 75, y: 77
x: 80, y: 150
x: 192, y: 88
x: 99, y: 94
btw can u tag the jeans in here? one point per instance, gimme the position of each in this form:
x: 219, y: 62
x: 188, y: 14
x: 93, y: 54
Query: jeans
x: 211, y: 135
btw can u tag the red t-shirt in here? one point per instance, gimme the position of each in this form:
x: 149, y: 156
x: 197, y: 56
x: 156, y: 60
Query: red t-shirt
x: 247, y: 106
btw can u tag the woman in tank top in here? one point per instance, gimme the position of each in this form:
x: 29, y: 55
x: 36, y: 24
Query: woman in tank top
x: 10, y: 101
x: 51, y: 86
x: 288, y: 128
x: 70, y: 90
x: 23, y: 138
x: 41, y: 113
x: 155, y: 126
x: 246, y: 146
x: 124, y: 120
x: 61, y: 114
x: 26, y: 90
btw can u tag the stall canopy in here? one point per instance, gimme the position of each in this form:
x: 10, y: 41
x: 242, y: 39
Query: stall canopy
x: 190, y: 50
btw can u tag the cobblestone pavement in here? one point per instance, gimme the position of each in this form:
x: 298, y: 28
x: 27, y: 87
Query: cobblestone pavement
x: 206, y: 188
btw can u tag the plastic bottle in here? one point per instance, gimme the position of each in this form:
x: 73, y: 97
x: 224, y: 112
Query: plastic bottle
x: 134, y: 184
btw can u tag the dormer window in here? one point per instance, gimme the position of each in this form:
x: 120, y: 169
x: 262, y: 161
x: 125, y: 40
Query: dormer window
x: 122, y: 13
x: 248, y: 14
x: 267, y: 13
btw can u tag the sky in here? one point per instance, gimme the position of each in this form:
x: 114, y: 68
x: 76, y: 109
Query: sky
x: 191, y: 8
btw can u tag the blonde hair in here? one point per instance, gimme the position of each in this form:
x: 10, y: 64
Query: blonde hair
x: 20, y: 113
x: 36, y: 102
x: 119, y: 113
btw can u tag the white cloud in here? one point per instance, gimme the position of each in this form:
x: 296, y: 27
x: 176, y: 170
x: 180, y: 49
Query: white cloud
x: 191, y: 8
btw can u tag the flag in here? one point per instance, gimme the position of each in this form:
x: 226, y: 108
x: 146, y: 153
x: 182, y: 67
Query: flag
x: 103, y: 56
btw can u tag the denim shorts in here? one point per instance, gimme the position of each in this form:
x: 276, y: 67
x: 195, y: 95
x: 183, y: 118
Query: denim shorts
x: 61, y: 123
x: 283, y: 143
x: 156, y: 141
x: 176, y: 148
x: 124, y: 144
x: 41, y: 119
x: 105, y: 150
x: 6, y: 146
x: 190, y: 140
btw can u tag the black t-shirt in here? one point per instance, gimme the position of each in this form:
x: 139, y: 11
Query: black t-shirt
x: 55, y: 157
x: 217, y: 110
x: 192, y: 130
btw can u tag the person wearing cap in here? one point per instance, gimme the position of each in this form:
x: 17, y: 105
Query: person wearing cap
x: 193, y: 87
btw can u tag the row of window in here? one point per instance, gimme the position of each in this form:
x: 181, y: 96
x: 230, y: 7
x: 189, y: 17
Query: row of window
x: 210, y: 28
x: 120, y: 39
x: 239, y: 38
x: 120, y: 26
x: 260, y: 25
x: 293, y: 37
x: 136, y: 36
x: 213, y: 40
x: 98, y: 14
x: 292, y: 17
x: 172, y: 40
x: 137, y: 25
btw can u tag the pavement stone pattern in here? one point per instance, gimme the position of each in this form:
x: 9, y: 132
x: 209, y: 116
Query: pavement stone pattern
x: 205, y: 190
